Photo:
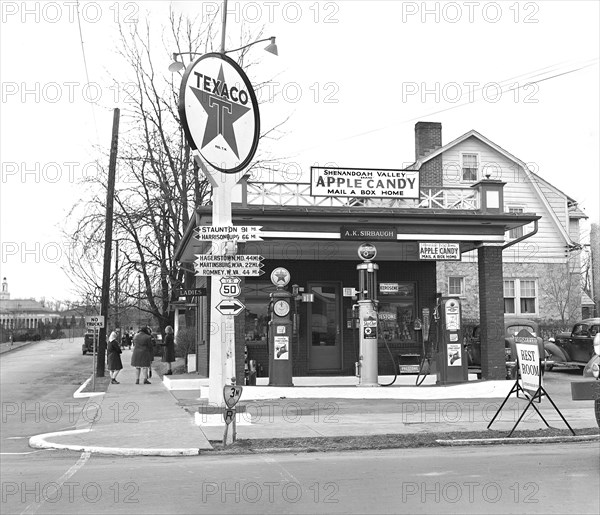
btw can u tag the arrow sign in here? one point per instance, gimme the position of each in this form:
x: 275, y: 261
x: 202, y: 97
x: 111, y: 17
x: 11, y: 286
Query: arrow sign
x: 230, y: 307
x: 229, y: 232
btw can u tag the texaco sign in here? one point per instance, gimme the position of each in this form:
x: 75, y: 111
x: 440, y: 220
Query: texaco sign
x: 219, y: 112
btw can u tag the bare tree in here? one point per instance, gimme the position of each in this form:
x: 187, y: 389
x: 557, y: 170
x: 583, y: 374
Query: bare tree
x: 158, y: 184
x: 562, y: 287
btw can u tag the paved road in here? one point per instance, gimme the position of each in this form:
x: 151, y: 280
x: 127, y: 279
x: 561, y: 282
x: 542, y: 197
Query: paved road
x: 37, y: 387
x: 506, y: 479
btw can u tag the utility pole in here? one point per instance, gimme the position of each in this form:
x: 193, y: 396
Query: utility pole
x: 110, y: 193
x: 117, y: 283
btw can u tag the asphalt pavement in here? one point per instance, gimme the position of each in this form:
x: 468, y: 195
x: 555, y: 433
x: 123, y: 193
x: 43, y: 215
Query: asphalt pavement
x: 172, y: 416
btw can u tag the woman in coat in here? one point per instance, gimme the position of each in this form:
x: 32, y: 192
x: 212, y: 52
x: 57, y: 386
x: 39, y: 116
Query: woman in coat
x: 113, y: 356
x: 168, y: 349
x: 143, y: 354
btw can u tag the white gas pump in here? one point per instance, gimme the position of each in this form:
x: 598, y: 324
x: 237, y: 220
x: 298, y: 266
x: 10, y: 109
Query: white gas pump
x: 452, y: 364
x: 367, y: 313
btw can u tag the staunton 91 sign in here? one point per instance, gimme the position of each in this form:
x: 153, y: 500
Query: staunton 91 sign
x: 219, y: 112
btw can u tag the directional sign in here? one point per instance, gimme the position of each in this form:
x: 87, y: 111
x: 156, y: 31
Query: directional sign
x: 94, y: 322
x: 191, y: 292
x: 232, y: 395
x: 229, y: 232
x: 230, y: 307
x: 238, y: 265
x: 230, y: 286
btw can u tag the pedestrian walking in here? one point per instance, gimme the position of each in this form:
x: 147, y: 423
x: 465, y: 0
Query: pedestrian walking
x: 113, y: 356
x: 168, y: 349
x: 142, y: 355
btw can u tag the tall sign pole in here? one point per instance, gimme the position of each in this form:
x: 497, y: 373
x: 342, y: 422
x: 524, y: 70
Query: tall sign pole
x: 110, y: 194
x: 220, y: 118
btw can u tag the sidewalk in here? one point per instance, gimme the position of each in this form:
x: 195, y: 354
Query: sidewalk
x: 174, y: 419
x: 130, y: 419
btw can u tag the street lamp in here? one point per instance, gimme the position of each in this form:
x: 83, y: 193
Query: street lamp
x: 177, y: 65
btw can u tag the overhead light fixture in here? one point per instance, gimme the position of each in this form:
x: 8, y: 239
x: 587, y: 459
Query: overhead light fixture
x: 272, y: 47
x: 177, y: 65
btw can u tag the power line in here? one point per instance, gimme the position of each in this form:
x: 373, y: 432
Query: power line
x: 532, y: 74
x: 87, y: 76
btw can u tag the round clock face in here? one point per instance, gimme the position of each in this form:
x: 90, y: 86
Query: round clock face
x: 281, y: 308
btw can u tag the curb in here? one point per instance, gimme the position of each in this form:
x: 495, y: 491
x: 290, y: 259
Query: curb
x: 13, y: 348
x: 40, y: 442
x: 79, y: 395
x: 518, y: 440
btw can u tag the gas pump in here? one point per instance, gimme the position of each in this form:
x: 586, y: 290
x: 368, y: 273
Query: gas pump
x: 452, y: 366
x: 280, y: 331
x: 367, y: 313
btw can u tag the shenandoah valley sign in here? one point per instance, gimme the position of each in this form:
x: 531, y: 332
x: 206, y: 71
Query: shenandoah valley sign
x: 363, y: 182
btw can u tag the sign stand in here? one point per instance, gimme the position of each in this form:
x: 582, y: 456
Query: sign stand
x: 95, y: 323
x: 231, y: 394
x: 537, y: 395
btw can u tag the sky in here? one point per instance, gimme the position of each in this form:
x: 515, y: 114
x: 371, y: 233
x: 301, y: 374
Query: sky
x: 352, y: 76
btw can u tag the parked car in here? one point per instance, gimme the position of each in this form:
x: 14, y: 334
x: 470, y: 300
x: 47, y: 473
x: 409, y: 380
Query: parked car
x: 589, y: 388
x: 512, y: 327
x: 575, y: 347
x: 88, y: 343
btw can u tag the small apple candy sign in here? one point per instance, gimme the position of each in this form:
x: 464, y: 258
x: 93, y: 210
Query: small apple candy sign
x: 219, y: 112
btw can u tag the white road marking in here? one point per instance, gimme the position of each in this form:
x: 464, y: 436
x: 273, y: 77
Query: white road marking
x: 33, y: 508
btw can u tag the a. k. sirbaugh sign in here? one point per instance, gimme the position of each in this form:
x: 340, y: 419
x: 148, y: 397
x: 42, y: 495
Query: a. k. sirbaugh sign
x: 363, y: 182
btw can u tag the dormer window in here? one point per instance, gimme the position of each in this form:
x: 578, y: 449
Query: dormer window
x: 470, y: 167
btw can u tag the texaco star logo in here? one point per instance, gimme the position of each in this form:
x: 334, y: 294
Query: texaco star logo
x: 219, y: 112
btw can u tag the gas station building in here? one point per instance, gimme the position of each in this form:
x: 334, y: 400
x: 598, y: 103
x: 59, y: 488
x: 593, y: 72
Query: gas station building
x: 316, y: 237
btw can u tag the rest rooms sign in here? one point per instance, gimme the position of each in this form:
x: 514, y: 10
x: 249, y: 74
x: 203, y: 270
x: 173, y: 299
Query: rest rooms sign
x: 439, y: 251
x: 363, y: 182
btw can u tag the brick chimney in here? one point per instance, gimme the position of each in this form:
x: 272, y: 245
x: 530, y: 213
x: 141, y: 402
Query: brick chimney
x: 428, y: 137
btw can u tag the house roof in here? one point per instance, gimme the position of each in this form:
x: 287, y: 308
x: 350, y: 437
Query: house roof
x: 533, y: 178
x: 586, y: 300
x: 23, y: 306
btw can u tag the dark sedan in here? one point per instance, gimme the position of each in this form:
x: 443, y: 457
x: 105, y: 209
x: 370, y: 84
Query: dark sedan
x: 575, y: 347
x: 512, y: 327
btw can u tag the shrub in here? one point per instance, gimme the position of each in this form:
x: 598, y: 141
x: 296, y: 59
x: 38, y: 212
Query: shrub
x: 185, y: 343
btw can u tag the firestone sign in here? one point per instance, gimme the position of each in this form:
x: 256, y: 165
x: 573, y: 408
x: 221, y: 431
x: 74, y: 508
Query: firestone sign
x: 364, y: 182
x: 219, y: 112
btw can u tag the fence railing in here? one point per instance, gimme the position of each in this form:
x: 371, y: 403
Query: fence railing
x: 298, y: 195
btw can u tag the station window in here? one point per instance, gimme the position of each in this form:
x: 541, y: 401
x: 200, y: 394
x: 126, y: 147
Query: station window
x: 520, y: 297
x: 397, y: 312
x: 470, y: 167
x: 256, y: 299
x: 456, y: 286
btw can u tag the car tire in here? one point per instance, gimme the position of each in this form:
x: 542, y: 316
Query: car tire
x: 597, y: 410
